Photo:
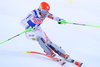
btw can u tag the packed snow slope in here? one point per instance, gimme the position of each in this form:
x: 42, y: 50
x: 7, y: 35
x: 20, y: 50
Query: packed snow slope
x: 80, y: 42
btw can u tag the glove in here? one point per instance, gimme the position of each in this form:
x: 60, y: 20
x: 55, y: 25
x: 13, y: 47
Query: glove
x: 62, y: 22
x: 29, y: 29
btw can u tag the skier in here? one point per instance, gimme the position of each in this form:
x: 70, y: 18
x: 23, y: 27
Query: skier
x: 34, y: 20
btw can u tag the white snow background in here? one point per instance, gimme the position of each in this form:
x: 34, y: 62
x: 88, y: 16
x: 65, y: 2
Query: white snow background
x: 80, y: 42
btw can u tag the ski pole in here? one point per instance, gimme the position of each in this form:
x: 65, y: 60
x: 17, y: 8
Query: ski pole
x: 64, y: 22
x: 27, y: 30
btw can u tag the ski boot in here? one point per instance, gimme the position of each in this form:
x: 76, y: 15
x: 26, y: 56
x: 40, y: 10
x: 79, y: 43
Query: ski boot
x: 79, y: 64
x: 67, y: 58
x: 52, y: 54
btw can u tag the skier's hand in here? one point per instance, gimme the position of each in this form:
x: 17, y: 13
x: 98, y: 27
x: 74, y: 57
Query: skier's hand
x: 62, y: 22
x: 29, y: 29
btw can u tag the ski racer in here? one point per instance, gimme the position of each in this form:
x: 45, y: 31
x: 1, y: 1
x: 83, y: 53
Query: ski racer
x: 34, y: 20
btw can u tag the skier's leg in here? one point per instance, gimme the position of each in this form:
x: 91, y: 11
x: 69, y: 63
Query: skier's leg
x: 41, y: 39
x: 63, y: 54
x: 45, y: 47
x: 54, y: 47
x: 48, y: 46
x: 58, y: 50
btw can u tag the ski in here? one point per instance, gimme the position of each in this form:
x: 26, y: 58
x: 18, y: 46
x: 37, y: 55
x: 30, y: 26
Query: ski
x: 57, y: 59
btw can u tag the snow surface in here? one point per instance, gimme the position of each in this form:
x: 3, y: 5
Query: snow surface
x: 81, y: 43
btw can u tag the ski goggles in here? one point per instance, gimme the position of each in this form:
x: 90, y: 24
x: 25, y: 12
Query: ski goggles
x: 44, y: 11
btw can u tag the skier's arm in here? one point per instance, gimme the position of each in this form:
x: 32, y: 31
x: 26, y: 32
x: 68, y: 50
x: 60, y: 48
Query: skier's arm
x: 59, y: 20
x: 24, y: 21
